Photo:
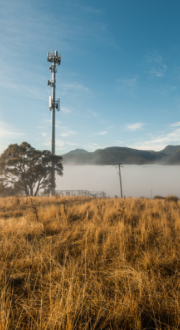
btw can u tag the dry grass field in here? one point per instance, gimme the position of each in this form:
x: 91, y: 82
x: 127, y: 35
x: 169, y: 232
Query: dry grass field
x: 68, y: 263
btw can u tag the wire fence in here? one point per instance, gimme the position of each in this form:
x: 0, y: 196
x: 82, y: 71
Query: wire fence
x: 84, y: 193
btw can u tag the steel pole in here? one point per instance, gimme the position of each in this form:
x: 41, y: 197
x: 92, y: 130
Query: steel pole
x: 53, y: 125
x: 54, y: 59
x: 120, y: 181
x: 53, y: 110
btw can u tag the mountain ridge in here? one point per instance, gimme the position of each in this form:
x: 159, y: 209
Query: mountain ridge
x: 113, y: 155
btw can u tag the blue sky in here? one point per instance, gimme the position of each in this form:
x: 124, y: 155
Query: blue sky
x: 119, y: 78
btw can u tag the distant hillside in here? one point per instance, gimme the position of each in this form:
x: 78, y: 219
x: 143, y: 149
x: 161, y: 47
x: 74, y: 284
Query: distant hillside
x: 174, y: 159
x: 170, y: 150
x: 113, y: 155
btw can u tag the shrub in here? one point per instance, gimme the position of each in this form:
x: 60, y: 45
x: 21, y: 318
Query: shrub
x: 172, y: 199
x: 158, y: 197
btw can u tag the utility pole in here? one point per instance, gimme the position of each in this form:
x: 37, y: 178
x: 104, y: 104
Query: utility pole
x: 55, y: 59
x: 120, y: 180
x: 151, y: 193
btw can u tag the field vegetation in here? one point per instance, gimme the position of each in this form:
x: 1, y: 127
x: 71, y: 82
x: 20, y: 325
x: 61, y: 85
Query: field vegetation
x: 68, y: 263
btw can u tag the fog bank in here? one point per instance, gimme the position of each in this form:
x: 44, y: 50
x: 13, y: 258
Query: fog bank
x: 137, y: 180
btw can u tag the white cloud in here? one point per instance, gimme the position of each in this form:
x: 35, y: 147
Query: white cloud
x: 65, y: 110
x: 160, y: 142
x: 135, y: 127
x: 47, y: 120
x: 102, y: 133
x: 47, y: 143
x: 75, y: 86
x: 157, y: 72
x: 127, y: 86
x: 149, y: 146
x: 72, y: 143
x: 94, y: 114
x: 94, y: 146
x: 7, y: 131
x: 90, y: 9
x: 7, y: 135
x: 67, y: 133
x: 60, y: 143
x: 130, y: 82
x: 166, y: 89
x: 157, y: 67
x: 175, y: 124
x: 173, y: 88
x: 64, y: 134
x: 62, y: 127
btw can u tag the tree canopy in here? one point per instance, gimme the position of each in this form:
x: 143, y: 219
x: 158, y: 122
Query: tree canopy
x: 26, y: 170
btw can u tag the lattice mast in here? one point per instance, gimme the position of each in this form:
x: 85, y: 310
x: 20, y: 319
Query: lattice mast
x: 55, y: 59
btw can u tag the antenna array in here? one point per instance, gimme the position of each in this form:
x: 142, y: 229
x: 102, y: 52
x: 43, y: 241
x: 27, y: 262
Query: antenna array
x: 55, y: 60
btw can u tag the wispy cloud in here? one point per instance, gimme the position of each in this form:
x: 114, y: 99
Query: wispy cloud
x: 7, y: 135
x: 135, y: 126
x: 127, y: 86
x: 59, y: 143
x: 160, y: 142
x: 93, y: 113
x: 175, y: 124
x: 120, y: 142
x: 93, y: 146
x: 65, y: 110
x: 67, y: 133
x: 23, y: 84
x: 130, y: 82
x: 72, y: 143
x: 64, y: 134
x: 157, y: 72
x: 165, y: 89
x: 102, y: 133
x: 45, y: 120
x: 8, y: 131
x: 156, y: 65
x: 75, y: 87
x: 90, y: 10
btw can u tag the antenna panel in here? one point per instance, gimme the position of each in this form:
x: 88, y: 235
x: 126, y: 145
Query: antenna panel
x: 50, y: 102
x: 58, y: 104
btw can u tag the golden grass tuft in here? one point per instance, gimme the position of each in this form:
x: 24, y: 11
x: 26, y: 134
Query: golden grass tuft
x: 68, y: 263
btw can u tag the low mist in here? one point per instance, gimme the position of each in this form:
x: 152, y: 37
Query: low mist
x: 137, y: 180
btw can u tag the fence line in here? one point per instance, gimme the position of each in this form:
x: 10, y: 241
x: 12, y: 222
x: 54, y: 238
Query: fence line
x: 84, y: 193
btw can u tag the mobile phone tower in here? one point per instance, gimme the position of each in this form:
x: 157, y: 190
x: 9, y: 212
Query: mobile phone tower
x: 55, y: 60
